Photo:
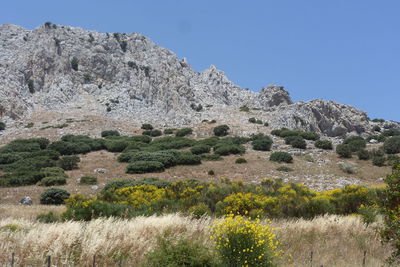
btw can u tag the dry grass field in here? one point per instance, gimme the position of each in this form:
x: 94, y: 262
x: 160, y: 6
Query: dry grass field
x: 333, y: 240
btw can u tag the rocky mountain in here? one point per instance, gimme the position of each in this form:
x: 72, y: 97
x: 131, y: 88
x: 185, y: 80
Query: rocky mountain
x: 128, y: 77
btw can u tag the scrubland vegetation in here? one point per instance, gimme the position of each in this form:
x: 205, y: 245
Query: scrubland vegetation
x: 153, y: 222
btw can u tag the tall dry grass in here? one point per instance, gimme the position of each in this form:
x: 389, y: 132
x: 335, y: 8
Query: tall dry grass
x: 334, y: 240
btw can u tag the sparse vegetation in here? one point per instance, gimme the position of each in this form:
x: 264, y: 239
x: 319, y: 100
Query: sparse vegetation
x: 88, y: 180
x: 284, y: 169
x: 244, y: 108
x: 240, y: 161
x: 347, y: 167
x: 75, y: 64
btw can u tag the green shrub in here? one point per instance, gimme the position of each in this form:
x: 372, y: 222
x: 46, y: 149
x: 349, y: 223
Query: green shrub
x: 228, y: 149
x: 183, y: 132
x: 180, y: 252
x: 68, y: 148
x: 53, y: 171
x: 211, y: 172
x: 200, y: 209
x: 363, y: 154
x: 153, y: 133
x: 120, y: 183
x: 75, y: 63
x: 200, y: 149
x: 244, y: 108
x: 167, y: 158
x: 169, y: 142
x: 110, y: 133
x: 25, y: 145
x: 376, y: 128
x: 266, y: 124
x: 252, y: 120
x: 355, y: 143
x: 2, y: 126
x: 147, y: 126
x: 296, y: 141
x: 116, y: 145
x: 309, y: 135
x: 49, y: 217
x: 324, y: 144
x: 263, y: 144
x: 392, y: 145
x: 368, y: 214
x: 240, y: 161
x: 168, y: 131
x: 54, y: 196
x: 52, y: 180
x: 221, y: 130
x: 391, y: 132
x: 69, y: 162
x: 344, y: 151
x: 347, y: 167
x: 281, y: 156
x: 88, y: 180
x: 187, y: 158
x: 284, y: 169
x: 145, y: 167
x: 378, y: 160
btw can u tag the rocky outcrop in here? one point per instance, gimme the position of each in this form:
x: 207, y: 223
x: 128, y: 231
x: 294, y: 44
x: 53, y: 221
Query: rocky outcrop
x: 128, y: 77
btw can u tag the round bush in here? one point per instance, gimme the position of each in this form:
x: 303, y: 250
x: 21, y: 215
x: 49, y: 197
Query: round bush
x: 116, y: 145
x: 183, y: 132
x: 324, y: 144
x: 147, y: 126
x: 252, y: 120
x: 145, y: 167
x: 168, y: 131
x: 392, y: 145
x: 153, y: 133
x: 281, y: 156
x: 363, y: 154
x: 378, y: 161
x: 225, y: 150
x: 52, y: 180
x: 187, y: 158
x: 221, y: 130
x: 54, y: 196
x: 240, y: 161
x: 296, y: 142
x: 2, y: 126
x: 262, y: 144
x: 200, y: 149
x: 344, y: 151
x: 355, y: 143
x: 69, y: 162
x: 110, y: 133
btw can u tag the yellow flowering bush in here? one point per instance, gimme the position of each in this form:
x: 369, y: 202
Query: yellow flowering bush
x: 244, y: 242
x: 244, y: 203
x: 140, y: 196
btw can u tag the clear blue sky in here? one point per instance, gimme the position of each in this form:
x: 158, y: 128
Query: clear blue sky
x: 342, y: 50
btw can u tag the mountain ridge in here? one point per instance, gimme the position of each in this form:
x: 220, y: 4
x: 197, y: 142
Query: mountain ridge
x: 128, y: 77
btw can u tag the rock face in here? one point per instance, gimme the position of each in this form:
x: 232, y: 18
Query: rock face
x: 128, y: 77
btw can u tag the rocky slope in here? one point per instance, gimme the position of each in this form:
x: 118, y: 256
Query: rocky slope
x: 128, y: 77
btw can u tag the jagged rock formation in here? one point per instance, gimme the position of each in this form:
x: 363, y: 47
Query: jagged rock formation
x: 128, y: 77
